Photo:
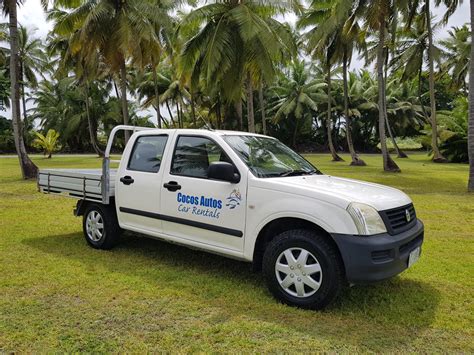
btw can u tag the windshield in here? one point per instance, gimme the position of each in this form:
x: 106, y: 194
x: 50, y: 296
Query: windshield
x: 268, y: 157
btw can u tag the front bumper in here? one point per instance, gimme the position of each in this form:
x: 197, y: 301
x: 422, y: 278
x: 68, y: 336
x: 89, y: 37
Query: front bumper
x: 378, y: 257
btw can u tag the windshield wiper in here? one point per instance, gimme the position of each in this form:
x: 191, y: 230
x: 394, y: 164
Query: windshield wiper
x: 296, y: 173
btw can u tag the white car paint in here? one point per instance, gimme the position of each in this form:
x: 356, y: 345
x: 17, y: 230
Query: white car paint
x: 320, y: 199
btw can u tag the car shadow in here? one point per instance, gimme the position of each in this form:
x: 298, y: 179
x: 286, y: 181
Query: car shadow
x: 397, y: 310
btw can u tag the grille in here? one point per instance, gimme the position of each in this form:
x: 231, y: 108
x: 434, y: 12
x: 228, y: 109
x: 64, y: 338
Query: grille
x: 396, y: 219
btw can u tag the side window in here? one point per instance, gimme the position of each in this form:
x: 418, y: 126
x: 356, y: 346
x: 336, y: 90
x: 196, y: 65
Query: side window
x: 147, y: 154
x: 193, y: 155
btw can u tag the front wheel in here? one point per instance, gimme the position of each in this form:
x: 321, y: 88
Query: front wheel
x: 302, y: 269
x: 100, y: 226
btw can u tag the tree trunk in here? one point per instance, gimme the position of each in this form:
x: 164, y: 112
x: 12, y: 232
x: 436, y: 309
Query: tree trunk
x: 335, y: 157
x: 388, y: 163
x: 123, y: 97
x: 295, y: 133
x: 420, y: 82
x: 28, y: 169
x: 92, y: 127
x: 393, y: 40
x: 470, y: 136
x: 25, y: 116
x: 399, y: 152
x: 239, y: 111
x: 157, y: 95
x: 179, y: 111
x: 193, y: 109
x: 23, y: 100
x: 170, y: 113
x: 356, y: 161
x: 218, y: 113
x: 116, y: 92
x: 437, y: 156
x: 181, y: 108
x: 250, y: 109
x: 262, y: 108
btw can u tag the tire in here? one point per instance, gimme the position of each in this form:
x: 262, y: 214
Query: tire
x: 103, y: 219
x: 295, y: 280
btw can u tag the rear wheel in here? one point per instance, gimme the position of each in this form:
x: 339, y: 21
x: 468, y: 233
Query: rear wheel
x: 100, y: 226
x: 302, y: 269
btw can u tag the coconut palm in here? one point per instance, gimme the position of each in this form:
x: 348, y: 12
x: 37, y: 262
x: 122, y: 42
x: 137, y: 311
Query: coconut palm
x: 326, y: 21
x: 378, y: 15
x: 118, y: 30
x: 336, y: 27
x: 297, y: 95
x: 370, y: 55
x: 85, y: 71
x: 424, y: 7
x: 28, y: 168
x: 456, y: 55
x: 32, y: 62
x: 236, y: 42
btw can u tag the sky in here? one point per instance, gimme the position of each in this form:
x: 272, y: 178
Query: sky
x: 31, y: 14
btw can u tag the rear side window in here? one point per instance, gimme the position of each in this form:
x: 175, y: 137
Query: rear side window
x: 193, y: 155
x: 147, y: 154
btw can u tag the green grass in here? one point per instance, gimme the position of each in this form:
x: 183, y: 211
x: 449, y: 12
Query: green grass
x: 57, y: 294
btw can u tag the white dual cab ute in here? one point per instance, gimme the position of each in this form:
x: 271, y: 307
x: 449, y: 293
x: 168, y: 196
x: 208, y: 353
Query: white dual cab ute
x: 248, y: 197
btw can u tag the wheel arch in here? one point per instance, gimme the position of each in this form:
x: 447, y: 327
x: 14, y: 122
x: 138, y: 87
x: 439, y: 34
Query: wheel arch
x: 82, y: 205
x: 284, y: 224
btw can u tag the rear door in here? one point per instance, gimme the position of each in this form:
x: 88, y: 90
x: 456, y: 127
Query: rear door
x: 138, y: 184
x: 196, y: 208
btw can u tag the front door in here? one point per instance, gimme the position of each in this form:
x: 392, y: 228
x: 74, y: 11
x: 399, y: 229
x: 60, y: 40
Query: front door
x: 196, y: 208
x: 138, y: 185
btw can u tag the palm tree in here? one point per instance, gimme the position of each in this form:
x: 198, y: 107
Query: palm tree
x: 470, y: 185
x: 346, y: 59
x: 32, y: 61
x: 85, y: 71
x: 370, y: 54
x: 297, y: 96
x: 329, y: 121
x: 116, y: 29
x: 431, y: 54
x: 437, y: 156
x: 236, y: 42
x: 49, y: 143
x: 457, y: 54
x: 151, y: 49
x: 326, y: 20
x: 28, y: 168
x: 377, y: 17
x: 261, y: 99
x: 335, y: 28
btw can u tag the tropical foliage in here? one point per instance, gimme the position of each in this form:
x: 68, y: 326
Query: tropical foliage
x: 47, y: 143
x: 232, y: 64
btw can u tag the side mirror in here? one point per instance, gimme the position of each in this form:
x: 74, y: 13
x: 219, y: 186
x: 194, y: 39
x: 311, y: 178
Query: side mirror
x: 220, y: 170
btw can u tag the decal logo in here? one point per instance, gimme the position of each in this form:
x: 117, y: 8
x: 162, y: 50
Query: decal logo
x: 234, y: 199
x: 199, y: 205
x: 408, y: 215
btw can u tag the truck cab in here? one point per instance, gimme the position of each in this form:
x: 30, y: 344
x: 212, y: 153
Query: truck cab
x: 249, y: 197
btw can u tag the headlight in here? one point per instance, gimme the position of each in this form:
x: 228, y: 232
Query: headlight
x: 366, y: 219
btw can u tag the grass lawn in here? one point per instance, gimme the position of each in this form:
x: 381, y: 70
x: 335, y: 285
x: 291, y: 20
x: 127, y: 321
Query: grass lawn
x: 57, y: 294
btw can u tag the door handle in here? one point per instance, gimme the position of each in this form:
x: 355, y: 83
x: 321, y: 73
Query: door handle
x: 127, y: 180
x: 172, y: 186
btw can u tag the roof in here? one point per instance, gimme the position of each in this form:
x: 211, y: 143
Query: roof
x: 200, y: 131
